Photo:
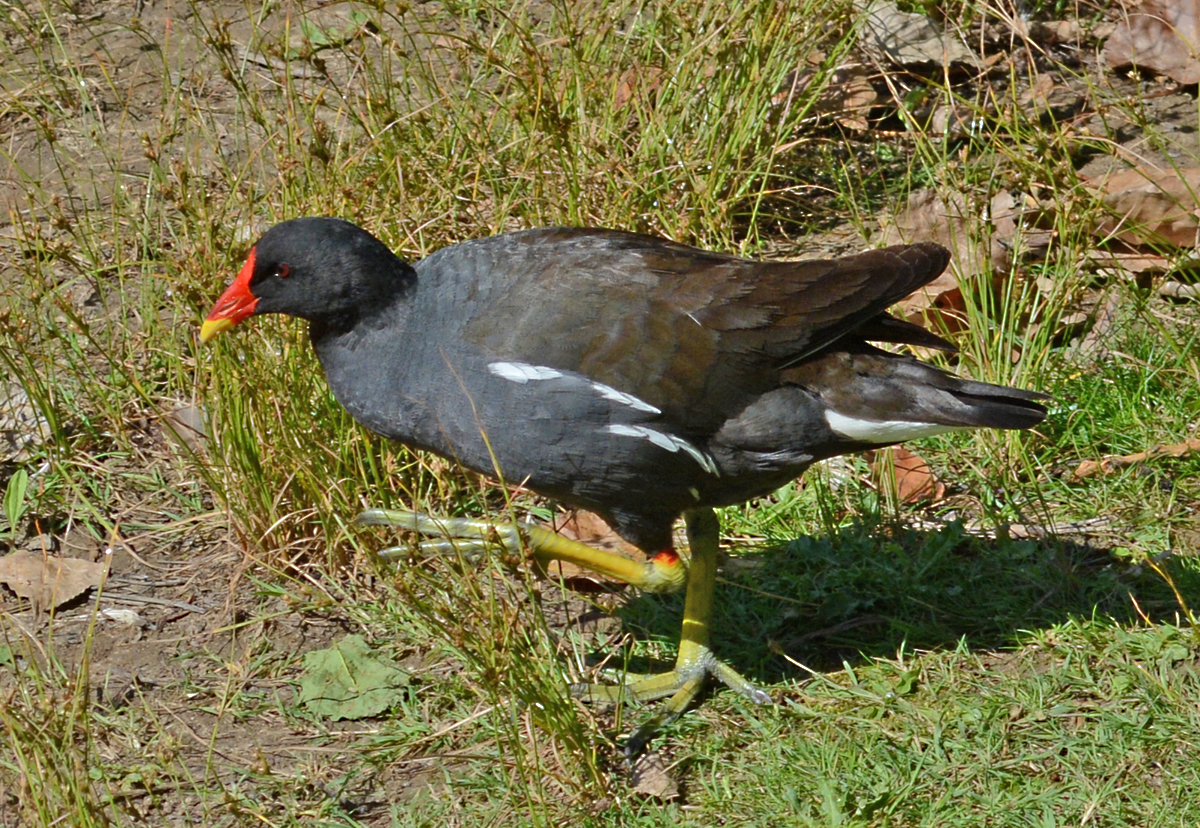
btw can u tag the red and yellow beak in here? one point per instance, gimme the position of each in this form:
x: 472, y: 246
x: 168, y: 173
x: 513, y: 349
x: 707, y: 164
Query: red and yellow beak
x: 235, y: 304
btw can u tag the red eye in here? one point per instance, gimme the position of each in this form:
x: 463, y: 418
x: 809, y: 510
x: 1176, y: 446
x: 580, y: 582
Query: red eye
x: 283, y: 271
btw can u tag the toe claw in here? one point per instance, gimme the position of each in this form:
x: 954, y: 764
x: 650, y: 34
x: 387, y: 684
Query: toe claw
x: 759, y: 696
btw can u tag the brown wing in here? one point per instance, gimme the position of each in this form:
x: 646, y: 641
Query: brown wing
x: 695, y: 333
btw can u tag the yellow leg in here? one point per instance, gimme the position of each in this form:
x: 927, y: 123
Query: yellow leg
x: 664, y: 573
x: 695, y: 661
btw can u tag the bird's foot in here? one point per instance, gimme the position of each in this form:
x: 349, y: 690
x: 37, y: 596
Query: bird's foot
x: 665, y: 572
x: 682, y: 684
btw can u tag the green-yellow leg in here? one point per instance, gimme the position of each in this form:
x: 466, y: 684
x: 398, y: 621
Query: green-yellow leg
x: 695, y: 661
x: 665, y: 572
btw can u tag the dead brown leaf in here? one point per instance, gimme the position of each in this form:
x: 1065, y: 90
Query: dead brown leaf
x: 48, y: 581
x: 1011, y: 213
x: 1047, y: 97
x: 1160, y: 35
x: 1053, y: 32
x: 931, y: 216
x: 652, y: 777
x: 1005, y: 210
x: 590, y: 529
x: 1037, y: 95
x: 953, y: 118
x: 1102, y: 311
x: 1150, y: 206
x: 636, y: 80
x: 185, y: 423
x: 914, y: 479
x: 911, y: 40
x: 848, y: 94
x: 1091, y: 468
x: 1129, y: 265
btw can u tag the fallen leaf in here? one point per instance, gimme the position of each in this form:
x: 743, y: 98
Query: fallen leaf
x: 1053, y: 32
x: 931, y: 216
x: 128, y: 617
x: 1016, y: 222
x: 350, y: 681
x: 1034, y: 245
x: 1150, y: 206
x: 847, y: 95
x: 1004, y: 211
x: 1036, y: 97
x: 911, y: 40
x: 1072, y: 324
x: 651, y: 777
x: 1160, y: 35
x: 1128, y: 265
x: 185, y: 423
x: 590, y: 529
x: 636, y: 80
x: 1091, y: 468
x: 48, y: 581
x: 913, y: 478
x: 22, y: 428
x: 1047, y: 99
x: 1102, y: 311
x: 952, y: 118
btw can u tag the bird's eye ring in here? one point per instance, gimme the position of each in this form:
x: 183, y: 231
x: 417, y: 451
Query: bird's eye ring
x: 283, y: 271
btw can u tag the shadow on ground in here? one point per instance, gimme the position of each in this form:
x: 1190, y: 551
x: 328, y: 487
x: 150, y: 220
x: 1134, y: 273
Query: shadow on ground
x: 871, y: 591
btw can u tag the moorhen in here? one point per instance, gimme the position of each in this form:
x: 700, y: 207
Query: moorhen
x: 621, y: 373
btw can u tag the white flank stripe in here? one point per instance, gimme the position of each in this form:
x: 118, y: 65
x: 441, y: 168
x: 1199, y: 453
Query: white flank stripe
x: 522, y: 372
x: 610, y: 393
x: 882, y: 431
x: 666, y: 441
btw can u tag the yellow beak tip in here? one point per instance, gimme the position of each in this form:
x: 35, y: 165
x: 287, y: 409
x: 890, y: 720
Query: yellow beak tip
x: 212, y: 327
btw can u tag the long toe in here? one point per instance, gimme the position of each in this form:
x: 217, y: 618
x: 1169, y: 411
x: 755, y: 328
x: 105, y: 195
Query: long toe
x: 507, y: 535
x: 682, y: 684
x: 468, y: 549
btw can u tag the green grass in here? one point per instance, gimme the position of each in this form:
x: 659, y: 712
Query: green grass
x: 935, y: 673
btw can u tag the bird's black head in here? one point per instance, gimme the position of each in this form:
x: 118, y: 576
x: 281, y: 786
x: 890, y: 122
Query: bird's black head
x: 321, y: 269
